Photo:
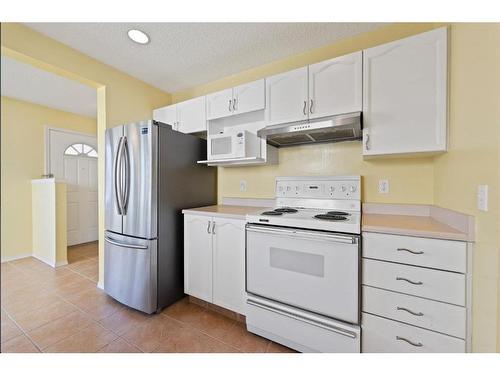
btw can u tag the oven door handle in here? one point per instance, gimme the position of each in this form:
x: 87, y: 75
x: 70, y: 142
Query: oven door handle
x: 305, y: 319
x: 318, y: 236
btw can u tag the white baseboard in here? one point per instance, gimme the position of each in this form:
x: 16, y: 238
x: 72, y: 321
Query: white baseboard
x: 61, y: 263
x: 100, y: 285
x: 52, y: 264
x: 16, y: 257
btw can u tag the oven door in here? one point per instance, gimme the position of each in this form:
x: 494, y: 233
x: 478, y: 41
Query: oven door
x: 311, y: 270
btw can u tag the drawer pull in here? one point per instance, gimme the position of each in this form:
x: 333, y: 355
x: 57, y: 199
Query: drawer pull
x: 409, y: 281
x: 409, y: 311
x: 410, y: 251
x: 419, y: 344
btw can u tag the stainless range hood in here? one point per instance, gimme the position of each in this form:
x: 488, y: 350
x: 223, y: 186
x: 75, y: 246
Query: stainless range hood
x: 345, y: 127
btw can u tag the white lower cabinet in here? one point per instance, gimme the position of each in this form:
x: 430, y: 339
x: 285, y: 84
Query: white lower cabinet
x: 214, y: 260
x: 409, y: 306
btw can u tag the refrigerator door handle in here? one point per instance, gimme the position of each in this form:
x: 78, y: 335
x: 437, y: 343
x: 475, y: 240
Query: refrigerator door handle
x: 117, y: 177
x: 114, y: 242
x: 126, y: 191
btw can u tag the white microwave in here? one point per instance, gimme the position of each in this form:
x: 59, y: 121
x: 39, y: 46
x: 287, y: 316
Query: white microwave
x: 233, y: 144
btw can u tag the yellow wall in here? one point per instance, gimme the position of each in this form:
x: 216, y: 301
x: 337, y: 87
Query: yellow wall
x: 474, y: 159
x: 120, y: 97
x: 49, y: 222
x: 449, y: 180
x: 23, y: 152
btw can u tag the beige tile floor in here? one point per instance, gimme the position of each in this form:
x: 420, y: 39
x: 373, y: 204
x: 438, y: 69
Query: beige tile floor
x: 61, y: 310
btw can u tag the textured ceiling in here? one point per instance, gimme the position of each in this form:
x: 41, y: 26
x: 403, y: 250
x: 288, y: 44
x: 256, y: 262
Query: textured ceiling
x: 183, y: 55
x: 25, y: 82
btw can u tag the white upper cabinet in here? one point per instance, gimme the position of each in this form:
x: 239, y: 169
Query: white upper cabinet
x: 405, y: 95
x: 220, y: 104
x: 187, y: 117
x: 191, y: 115
x: 335, y: 86
x: 286, y: 96
x: 167, y: 115
x: 249, y: 97
x: 234, y: 101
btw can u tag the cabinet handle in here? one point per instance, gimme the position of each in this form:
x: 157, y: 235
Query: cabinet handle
x: 304, y: 109
x: 409, y: 311
x: 410, y: 251
x: 234, y: 104
x: 230, y: 105
x: 409, y: 281
x: 419, y: 344
x: 311, y: 106
x: 367, y: 142
x: 213, y: 227
x: 208, y: 227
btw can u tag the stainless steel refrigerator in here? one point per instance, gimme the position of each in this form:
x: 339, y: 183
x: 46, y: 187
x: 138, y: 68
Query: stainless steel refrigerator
x: 151, y: 175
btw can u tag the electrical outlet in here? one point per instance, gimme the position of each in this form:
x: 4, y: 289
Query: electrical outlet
x: 243, y: 185
x: 383, y: 186
x: 482, y: 197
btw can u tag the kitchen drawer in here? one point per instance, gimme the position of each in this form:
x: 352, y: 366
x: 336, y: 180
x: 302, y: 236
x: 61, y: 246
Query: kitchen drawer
x: 434, y: 284
x: 426, y: 252
x: 382, y: 335
x: 436, y: 316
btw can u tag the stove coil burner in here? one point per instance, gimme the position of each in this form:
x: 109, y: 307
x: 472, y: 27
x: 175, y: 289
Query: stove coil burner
x: 286, y: 210
x: 330, y: 217
x: 272, y: 213
x: 336, y: 213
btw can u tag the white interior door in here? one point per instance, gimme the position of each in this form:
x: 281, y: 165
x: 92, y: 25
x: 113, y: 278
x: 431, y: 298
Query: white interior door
x: 72, y: 158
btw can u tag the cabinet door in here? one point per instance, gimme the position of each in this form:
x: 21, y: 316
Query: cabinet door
x: 249, y: 97
x: 404, y: 95
x: 229, y: 264
x: 335, y: 86
x: 220, y: 104
x: 191, y: 115
x: 198, y: 257
x: 167, y: 115
x: 286, y: 97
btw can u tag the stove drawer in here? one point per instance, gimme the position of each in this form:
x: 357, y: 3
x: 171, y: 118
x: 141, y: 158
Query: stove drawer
x: 418, y: 251
x: 314, y: 271
x: 423, y: 282
x: 301, y: 331
x: 420, y: 312
x: 382, y: 335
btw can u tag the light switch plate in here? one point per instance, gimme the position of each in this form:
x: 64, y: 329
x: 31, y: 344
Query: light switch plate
x: 383, y: 186
x: 482, y: 197
x: 243, y: 185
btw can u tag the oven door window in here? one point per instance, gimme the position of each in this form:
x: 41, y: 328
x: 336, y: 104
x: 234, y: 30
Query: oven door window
x: 318, y: 275
x: 220, y: 147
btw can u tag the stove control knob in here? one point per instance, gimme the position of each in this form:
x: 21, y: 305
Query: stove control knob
x: 280, y: 188
x: 288, y: 188
x: 352, y: 189
x: 343, y: 188
x: 331, y: 188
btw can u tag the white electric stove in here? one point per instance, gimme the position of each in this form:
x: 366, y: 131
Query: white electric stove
x: 303, y: 265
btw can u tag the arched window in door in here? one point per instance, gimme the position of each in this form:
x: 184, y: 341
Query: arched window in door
x: 81, y: 149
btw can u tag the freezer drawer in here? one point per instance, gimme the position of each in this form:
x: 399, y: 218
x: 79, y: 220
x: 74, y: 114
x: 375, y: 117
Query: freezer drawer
x: 130, y: 271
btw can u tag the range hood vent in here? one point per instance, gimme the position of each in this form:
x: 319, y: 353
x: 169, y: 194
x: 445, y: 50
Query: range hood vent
x: 345, y: 127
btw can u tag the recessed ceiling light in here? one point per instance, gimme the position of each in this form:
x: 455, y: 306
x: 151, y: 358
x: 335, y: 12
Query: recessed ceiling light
x: 138, y: 36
